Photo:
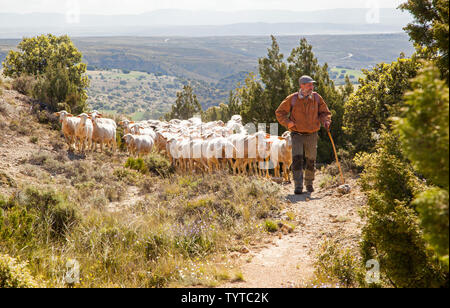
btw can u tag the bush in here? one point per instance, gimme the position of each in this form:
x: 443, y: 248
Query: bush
x: 270, y: 226
x: 137, y: 164
x: 14, y: 274
x: 377, y: 99
x: 392, y: 234
x: 423, y: 128
x: 55, y: 213
x: 154, y: 163
x: 55, y: 64
x: 59, y: 92
x: 44, y: 117
x: 159, y: 165
x: 337, y: 265
x: 122, y: 146
x: 24, y: 84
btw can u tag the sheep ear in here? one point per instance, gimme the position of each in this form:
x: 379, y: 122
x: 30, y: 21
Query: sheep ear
x: 281, y: 138
x: 132, y: 122
x: 69, y: 115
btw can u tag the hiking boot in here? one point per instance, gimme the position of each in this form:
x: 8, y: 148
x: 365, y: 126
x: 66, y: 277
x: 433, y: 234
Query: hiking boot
x: 310, y: 188
x: 298, y: 191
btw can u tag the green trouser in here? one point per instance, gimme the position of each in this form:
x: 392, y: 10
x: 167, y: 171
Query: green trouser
x: 304, y: 145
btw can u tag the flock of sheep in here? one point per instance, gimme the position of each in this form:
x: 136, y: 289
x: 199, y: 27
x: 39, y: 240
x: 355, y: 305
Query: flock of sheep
x: 191, y: 145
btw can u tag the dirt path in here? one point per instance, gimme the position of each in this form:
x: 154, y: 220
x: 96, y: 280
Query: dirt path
x: 287, y: 260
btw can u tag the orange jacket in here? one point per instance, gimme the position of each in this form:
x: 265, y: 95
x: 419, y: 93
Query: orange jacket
x: 307, y: 113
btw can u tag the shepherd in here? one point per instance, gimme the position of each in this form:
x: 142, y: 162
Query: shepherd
x: 302, y: 113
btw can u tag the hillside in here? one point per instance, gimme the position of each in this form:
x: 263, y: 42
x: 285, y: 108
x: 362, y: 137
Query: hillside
x: 213, y: 58
x: 128, y: 229
x: 136, y: 94
x: 212, y: 65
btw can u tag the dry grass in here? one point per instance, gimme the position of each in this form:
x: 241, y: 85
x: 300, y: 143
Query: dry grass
x: 170, y: 234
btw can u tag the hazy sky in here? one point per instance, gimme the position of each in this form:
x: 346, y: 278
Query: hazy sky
x: 140, y: 6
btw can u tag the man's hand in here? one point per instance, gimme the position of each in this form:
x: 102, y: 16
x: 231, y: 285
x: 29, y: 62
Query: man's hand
x: 327, y: 125
x: 291, y: 125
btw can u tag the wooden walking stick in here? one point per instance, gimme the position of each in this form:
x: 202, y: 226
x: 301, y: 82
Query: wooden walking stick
x: 335, y: 154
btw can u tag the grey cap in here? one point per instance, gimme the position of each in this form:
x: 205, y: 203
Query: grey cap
x: 306, y: 79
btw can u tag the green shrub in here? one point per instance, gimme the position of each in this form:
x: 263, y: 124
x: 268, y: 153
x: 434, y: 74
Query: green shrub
x: 17, y: 226
x: 64, y: 217
x: 6, y: 204
x: 392, y: 234
x: 14, y: 274
x: 193, y: 242
x: 137, y: 164
x: 379, y: 97
x: 55, y: 64
x: 55, y: 213
x: 122, y: 146
x: 424, y: 134
x: 423, y: 126
x: 270, y: 226
x: 337, y: 265
x: 159, y: 165
x: 432, y: 206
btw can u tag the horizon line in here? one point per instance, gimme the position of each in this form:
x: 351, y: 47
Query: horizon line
x: 202, y: 10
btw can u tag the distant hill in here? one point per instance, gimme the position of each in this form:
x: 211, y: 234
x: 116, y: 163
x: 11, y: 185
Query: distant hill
x: 212, y: 65
x: 206, y: 23
x: 214, y: 58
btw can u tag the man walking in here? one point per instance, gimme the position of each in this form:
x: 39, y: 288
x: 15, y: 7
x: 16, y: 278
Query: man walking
x: 302, y: 113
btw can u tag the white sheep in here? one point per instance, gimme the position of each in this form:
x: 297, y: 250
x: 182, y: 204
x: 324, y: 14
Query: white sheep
x: 83, y: 132
x: 104, y: 133
x: 68, y: 127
